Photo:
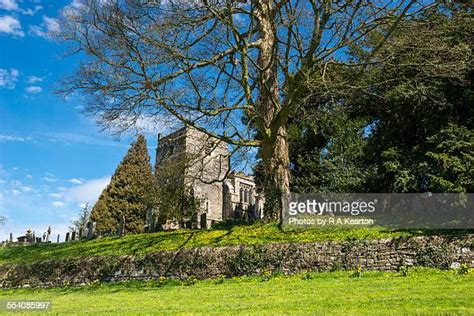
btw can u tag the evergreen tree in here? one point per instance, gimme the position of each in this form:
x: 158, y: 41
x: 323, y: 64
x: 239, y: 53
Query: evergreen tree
x: 402, y: 124
x: 422, y: 115
x: 130, y: 193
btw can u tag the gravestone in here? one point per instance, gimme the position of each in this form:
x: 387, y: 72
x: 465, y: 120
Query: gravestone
x: 29, y: 236
x: 90, y: 230
x: 149, y: 220
x: 121, y: 229
x: 80, y: 233
x: 57, y: 241
x: 67, y: 237
x: 73, y: 235
x: 11, y: 238
x: 48, y: 233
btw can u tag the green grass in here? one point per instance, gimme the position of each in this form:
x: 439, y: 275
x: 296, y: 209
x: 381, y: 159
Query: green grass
x: 423, y: 291
x: 142, y: 244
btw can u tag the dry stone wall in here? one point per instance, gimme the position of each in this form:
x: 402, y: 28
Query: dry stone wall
x: 385, y: 254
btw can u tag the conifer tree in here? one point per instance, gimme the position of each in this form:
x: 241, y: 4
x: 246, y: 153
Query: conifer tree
x: 130, y: 193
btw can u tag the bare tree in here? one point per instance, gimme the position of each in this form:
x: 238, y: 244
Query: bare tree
x: 230, y: 69
x: 83, y: 216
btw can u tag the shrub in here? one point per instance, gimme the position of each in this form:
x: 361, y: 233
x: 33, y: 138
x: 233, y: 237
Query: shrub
x: 266, y: 275
x: 357, y: 273
x: 307, y: 276
x: 403, y: 271
x: 191, y: 280
x: 220, y: 279
x: 463, y: 269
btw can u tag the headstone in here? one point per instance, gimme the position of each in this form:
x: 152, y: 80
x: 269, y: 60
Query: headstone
x: 11, y: 238
x: 57, y: 241
x: 90, y: 230
x: 44, y: 237
x: 67, y: 236
x: 29, y: 236
x: 48, y: 233
x: 121, y: 229
x: 149, y: 220
x: 38, y: 239
x: 80, y: 233
x: 73, y: 235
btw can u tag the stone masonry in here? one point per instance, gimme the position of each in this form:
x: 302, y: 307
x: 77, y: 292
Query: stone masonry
x: 445, y: 252
x: 206, y: 172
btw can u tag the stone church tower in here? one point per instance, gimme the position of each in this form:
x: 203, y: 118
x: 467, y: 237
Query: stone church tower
x: 206, y: 172
x: 206, y: 163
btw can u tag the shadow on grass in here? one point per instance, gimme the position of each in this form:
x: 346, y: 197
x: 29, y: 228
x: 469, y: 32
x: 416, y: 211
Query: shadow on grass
x: 234, y: 234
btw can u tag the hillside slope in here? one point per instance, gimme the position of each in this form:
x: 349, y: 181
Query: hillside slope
x: 142, y: 244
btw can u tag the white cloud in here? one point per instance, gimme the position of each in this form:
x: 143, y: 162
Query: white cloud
x: 15, y: 192
x: 9, y: 5
x: 89, y: 191
x: 8, y: 78
x: 72, y: 9
x: 76, y: 7
x: 29, y: 176
x: 11, y: 25
x: 48, y: 177
x: 12, y: 5
x: 49, y: 28
x: 66, y: 138
x: 16, y: 183
x: 77, y: 4
x: 148, y: 124
x: 30, y: 11
x: 13, y: 138
x: 55, y: 195
x: 26, y: 188
x: 34, y: 79
x: 34, y: 89
x: 70, y: 138
x: 75, y: 181
x: 57, y: 204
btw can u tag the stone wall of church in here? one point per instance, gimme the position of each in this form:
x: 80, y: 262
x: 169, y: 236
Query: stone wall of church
x: 206, y: 163
x: 241, y: 198
x: 207, y: 169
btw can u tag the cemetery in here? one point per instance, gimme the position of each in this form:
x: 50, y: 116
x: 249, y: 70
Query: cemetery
x: 195, y: 269
x: 255, y: 157
x: 220, y: 243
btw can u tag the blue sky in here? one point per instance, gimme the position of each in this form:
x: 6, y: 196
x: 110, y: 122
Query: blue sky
x: 52, y: 158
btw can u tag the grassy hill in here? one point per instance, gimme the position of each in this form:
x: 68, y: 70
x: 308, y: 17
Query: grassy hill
x: 423, y: 291
x: 142, y: 244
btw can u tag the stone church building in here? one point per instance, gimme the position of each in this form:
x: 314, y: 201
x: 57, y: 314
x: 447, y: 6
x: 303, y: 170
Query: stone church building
x: 206, y: 171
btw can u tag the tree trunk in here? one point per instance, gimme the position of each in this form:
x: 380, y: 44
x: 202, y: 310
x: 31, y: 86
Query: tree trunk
x: 275, y: 158
x: 274, y: 148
